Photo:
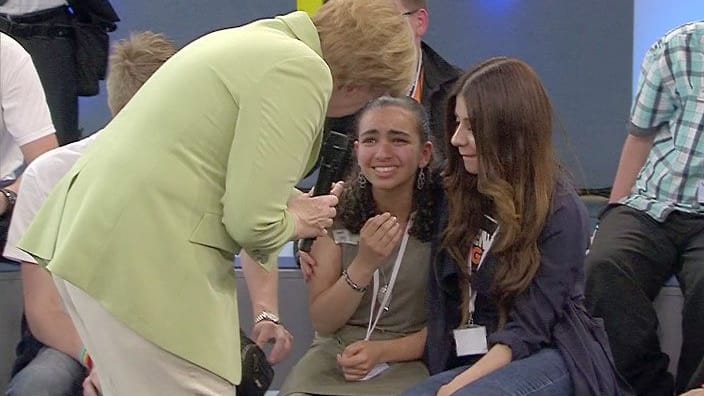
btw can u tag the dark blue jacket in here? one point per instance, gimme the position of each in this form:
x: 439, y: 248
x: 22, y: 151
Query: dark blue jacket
x: 549, y: 314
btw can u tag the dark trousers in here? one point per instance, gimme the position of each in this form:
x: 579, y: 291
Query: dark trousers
x: 55, y: 60
x: 631, y: 257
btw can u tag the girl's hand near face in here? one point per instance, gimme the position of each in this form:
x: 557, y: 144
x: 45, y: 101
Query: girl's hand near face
x: 377, y: 239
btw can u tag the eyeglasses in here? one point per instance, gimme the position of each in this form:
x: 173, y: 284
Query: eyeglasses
x: 407, y: 13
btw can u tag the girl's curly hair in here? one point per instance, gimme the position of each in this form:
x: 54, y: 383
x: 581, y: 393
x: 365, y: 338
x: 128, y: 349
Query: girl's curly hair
x: 357, y: 203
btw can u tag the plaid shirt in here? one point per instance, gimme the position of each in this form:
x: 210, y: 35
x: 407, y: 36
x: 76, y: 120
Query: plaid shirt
x: 670, y: 105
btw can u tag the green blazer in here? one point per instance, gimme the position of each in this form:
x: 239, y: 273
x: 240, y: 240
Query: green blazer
x: 198, y: 165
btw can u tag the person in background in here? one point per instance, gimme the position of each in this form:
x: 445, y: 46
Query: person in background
x: 367, y: 289
x: 201, y: 164
x: 654, y: 226
x: 45, y: 28
x: 26, y: 130
x: 435, y: 76
x: 54, y: 53
x: 51, y: 358
x: 506, y: 313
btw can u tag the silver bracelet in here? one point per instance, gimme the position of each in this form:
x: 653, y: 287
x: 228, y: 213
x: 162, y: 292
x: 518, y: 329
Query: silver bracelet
x: 350, y: 282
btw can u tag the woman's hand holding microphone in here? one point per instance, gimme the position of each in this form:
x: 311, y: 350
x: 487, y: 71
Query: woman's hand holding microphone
x: 314, y: 215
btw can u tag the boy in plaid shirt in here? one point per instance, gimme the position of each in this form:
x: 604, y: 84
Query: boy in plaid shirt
x: 654, y: 225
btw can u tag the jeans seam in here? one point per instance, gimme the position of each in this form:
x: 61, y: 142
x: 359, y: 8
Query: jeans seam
x: 545, y: 385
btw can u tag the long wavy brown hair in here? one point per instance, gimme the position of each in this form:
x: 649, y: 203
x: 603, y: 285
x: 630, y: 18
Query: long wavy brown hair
x: 512, y: 121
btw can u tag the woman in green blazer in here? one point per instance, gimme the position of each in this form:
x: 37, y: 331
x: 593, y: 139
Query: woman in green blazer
x: 201, y: 163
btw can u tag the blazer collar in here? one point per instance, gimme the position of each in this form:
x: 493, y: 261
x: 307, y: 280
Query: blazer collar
x: 302, y: 27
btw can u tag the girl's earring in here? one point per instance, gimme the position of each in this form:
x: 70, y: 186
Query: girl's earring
x: 420, y: 180
x: 362, y: 181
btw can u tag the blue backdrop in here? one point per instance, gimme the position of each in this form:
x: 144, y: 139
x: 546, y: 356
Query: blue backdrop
x: 585, y: 51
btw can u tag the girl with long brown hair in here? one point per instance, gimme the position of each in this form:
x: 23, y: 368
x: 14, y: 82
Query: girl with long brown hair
x: 506, y: 291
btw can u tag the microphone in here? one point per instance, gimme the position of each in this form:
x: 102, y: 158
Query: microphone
x: 333, y: 157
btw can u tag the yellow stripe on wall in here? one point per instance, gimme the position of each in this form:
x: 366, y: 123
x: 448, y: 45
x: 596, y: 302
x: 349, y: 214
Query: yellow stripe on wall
x: 309, y: 6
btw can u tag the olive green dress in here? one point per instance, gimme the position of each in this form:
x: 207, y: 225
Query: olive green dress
x: 317, y: 372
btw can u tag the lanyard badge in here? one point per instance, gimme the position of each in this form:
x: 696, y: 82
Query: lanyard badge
x: 384, y: 301
x: 471, y: 339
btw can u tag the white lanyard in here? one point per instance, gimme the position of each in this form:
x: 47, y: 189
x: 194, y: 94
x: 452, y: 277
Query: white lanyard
x: 375, y: 290
x: 485, y: 239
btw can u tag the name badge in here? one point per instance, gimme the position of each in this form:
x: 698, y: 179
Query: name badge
x: 700, y: 192
x: 470, y: 340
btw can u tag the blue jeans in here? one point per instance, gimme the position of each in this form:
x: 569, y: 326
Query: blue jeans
x: 541, y: 374
x: 50, y: 373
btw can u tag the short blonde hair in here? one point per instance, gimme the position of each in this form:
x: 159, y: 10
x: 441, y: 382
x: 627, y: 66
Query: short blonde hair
x: 132, y: 62
x: 367, y: 43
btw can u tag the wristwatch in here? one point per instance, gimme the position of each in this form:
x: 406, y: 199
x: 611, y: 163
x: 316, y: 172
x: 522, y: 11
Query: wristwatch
x: 10, y: 196
x: 264, y: 315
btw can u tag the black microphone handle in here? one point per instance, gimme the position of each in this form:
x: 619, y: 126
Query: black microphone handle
x: 333, y: 157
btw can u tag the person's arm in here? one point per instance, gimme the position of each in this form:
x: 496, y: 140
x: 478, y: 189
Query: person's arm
x: 35, y: 148
x: 498, y: 356
x: 535, y: 311
x: 653, y: 108
x: 695, y: 392
x: 275, y: 133
x: 47, y: 319
x: 4, y: 202
x: 25, y: 112
x: 635, y: 152
x: 331, y: 300
x: 263, y: 287
x: 262, y: 284
x: 403, y: 349
x: 30, y: 151
x: 360, y: 357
